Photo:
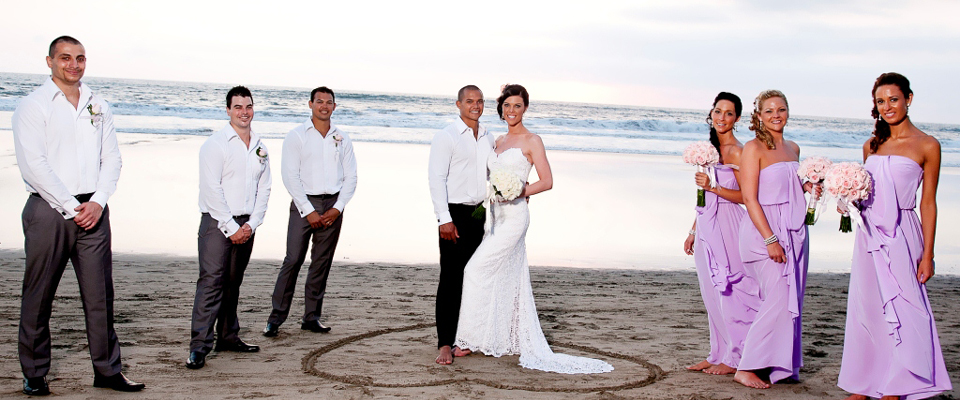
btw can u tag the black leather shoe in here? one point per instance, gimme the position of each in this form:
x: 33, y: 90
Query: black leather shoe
x: 36, y: 386
x: 117, y: 382
x: 272, y: 330
x: 314, y: 326
x: 239, y: 346
x: 196, y: 360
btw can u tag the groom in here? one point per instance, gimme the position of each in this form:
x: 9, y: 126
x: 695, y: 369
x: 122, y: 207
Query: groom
x: 458, y: 184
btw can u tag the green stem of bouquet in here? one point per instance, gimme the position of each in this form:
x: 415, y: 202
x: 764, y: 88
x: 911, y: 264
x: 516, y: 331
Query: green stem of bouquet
x: 846, y: 225
x: 479, y: 212
x: 811, y: 216
x: 701, y: 198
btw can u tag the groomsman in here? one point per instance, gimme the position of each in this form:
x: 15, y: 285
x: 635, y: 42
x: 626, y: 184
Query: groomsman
x: 458, y: 184
x: 320, y: 172
x: 234, y: 189
x: 68, y: 156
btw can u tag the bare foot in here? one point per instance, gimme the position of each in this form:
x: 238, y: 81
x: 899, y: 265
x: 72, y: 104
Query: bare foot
x: 857, y: 397
x: 720, y: 369
x: 445, y: 357
x: 750, y: 379
x: 458, y: 352
x: 700, y: 366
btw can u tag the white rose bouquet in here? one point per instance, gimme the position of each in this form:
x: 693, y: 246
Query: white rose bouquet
x: 504, y: 186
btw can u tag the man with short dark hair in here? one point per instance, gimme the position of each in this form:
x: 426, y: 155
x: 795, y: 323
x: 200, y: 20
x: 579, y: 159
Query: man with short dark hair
x: 68, y: 156
x: 458, y: 184
x: 320, y: 172
x: 234, y: 189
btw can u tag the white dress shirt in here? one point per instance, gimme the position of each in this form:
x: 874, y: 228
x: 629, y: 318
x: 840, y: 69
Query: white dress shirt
x: 234, y: 179
x: 458, y: 167
x: 64, y: 151
x: 313, y: 165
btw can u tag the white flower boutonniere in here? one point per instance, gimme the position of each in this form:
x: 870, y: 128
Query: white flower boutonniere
x: 262, y: 153
x: 96, y: 115
x: 337, y: 139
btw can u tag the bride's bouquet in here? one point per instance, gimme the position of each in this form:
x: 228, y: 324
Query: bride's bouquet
x: 704, y: 156
x: 813, y: 169
x: 504, y: 186
x: 849, y: 182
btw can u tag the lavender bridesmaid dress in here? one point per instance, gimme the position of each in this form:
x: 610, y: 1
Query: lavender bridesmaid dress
x: 773, y: 340
x: 890, y: 346
x: 730, y: 296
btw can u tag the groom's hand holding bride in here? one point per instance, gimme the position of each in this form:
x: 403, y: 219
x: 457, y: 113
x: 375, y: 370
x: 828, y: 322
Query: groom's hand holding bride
x: 448, y: 231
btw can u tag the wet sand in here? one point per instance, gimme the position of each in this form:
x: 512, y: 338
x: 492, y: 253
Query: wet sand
x: 648, y: 324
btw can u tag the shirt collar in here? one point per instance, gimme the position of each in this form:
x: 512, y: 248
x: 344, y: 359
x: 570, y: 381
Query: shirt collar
x: 333, y: 128
x: 231, y: 134
x: 463, y: 128
x: 52, y: 91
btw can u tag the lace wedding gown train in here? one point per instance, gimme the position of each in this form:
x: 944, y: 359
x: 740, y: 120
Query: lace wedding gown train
x: 497, y: 313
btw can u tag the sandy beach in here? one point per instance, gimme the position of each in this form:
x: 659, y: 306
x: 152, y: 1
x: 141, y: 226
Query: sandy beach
x: 648, y: 324
x: 609, y: 277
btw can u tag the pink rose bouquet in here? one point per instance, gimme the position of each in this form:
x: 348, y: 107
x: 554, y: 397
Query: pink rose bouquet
x: 848, y: 182
x: 814, y: 170
x: 704, y: 156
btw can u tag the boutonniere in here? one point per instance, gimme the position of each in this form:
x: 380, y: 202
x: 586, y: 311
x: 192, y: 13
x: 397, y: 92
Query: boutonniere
x: 262, y: 153
x: 96, y: 115
x: 337, y: 139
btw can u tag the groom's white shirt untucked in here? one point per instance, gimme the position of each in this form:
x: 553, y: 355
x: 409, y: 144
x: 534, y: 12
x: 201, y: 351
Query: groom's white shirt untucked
x: 458, y: 167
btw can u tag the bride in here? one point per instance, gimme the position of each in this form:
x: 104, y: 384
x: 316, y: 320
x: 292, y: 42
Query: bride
x: 497, y: 313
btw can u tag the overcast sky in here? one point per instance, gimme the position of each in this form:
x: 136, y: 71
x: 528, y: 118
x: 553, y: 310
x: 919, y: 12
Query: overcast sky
x: 824, y: 55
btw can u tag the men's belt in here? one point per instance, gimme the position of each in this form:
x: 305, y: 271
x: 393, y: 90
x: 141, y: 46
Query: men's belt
x: 83, y: 198
x: 323, y: 196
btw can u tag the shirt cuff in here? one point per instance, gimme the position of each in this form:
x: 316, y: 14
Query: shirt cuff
x: 339, y: 205
x: 444, y: 218
x: 69, y: 209
x: 100, y: 199
x: 305, y: 209
x: 229, y: 228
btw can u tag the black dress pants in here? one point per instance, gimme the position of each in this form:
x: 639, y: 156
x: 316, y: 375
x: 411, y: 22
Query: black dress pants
x: 453, y: 258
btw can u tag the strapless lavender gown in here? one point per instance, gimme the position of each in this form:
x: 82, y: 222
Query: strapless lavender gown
x: 890, y: 346
x: 773, y: 340
x: 730, y: 296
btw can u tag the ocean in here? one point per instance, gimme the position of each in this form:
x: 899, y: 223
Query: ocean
x: 187, y: 108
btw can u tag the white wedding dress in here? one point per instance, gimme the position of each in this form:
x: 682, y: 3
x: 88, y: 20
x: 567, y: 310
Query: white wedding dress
x: 497, y: 312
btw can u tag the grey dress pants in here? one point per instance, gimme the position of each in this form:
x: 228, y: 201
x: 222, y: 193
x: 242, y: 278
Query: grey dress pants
x: 49, y: 241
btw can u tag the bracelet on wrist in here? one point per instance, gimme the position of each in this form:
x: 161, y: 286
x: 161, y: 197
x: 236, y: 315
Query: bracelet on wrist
x: 771, y: 240
x: 693, y: 232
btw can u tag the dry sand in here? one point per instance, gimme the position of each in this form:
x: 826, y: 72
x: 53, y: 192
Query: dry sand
x: 648, y: 324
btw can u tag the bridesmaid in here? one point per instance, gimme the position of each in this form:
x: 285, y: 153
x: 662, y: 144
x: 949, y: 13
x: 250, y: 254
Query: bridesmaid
x: 730, y: 297
x: 773, y: 245
x: 891, y: 349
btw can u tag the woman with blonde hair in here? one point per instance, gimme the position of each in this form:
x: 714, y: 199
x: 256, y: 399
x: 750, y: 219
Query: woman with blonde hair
x: 773, y: 245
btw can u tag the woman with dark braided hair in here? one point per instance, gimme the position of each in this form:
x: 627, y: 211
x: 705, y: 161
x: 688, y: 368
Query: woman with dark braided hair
x: 773, y: 246
x: 729, y: 296
x: 891, y: 349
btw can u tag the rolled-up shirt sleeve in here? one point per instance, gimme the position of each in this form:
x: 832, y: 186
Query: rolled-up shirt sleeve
x: 110, y: 161
x: 211, y: 189
x: 349, y: 164
x: 441, y: 151
x: 29, y: 141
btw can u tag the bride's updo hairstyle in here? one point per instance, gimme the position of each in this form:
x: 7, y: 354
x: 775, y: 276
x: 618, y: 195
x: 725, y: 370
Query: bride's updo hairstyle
x: 755, y: 125
x: 737, y: 106
x: 881, y: 130
x: 512, y: 90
